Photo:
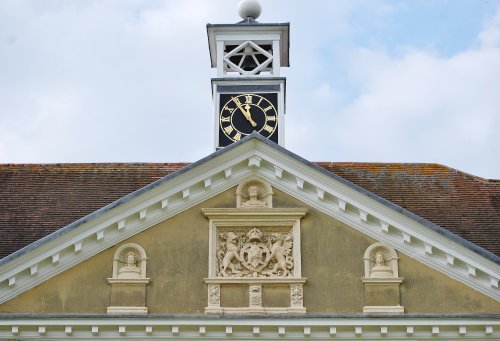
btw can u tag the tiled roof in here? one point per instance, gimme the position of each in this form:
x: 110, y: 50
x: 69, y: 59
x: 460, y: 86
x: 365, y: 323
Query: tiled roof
x: 466, y: 205
x: 37, y: 199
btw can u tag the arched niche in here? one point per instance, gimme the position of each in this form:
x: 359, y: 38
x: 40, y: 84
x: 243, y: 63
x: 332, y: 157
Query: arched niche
x: 128, y: 284
x: 254, y: 193
x: 382, y: 280
x: 129, y: 262
x: 381, y: 261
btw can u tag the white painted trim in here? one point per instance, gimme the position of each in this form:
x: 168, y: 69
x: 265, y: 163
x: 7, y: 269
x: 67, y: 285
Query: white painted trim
x: 139, y: 328
x: 127, y: 310
x: 397, y: 309
x: 254, y: 311
x: 467, y: 267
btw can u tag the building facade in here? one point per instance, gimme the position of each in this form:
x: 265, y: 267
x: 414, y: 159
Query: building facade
x: 251, y: 242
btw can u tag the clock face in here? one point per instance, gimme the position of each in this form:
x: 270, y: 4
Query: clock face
x: 241, y: 114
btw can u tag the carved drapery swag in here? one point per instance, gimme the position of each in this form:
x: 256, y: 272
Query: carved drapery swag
x: 255, y: 253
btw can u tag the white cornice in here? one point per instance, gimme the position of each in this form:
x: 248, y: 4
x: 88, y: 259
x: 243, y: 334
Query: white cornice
x: 213, y: 175
x: 201, y: 327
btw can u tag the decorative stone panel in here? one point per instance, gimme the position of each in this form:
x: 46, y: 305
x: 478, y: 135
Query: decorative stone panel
x: 255, y: 252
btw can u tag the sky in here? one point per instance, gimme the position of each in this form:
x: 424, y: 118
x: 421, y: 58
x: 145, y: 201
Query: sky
x: 369, y: 80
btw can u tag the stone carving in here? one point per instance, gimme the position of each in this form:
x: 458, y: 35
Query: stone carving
x: 129, y: 262
x: 214, y: 295
x: 130, y: 270
x: 128, y: 283
x: 255, y: 254
x: 280, y: 251
x: 381, y: 280
x: 254, y: 248
x: 254, y: 193
x: 231, y: 253
x: 296, y: 295
x: 381, y: 261
x: 380, y: 270
x: 255, y: 295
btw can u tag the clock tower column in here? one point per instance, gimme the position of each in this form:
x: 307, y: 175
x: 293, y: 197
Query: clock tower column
x: 248, y: 93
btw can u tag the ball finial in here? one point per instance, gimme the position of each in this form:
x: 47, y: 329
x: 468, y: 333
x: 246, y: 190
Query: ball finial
x: 249, y: 9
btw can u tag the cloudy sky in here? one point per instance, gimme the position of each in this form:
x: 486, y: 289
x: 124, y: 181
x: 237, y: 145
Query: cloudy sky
x: 370, y: 80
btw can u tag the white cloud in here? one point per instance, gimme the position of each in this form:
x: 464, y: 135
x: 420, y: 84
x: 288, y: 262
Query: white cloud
x: 120, y: 74
x: 418, y: 107
x: 490, y: 36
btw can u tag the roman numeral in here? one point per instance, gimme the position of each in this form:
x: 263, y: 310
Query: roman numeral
x: 225, y: 119
x: 236, y: 100
x: 267, y: 128
x: 268, y: 108
x: 229, y: 109
x: 237, y: 137
x: 248, y: 99
x: 260, y: 100
x: 228, y: 129
x: 271, y: 118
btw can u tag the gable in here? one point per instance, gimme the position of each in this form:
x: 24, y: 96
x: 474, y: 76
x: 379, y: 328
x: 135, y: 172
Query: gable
x: 253, y: 156
x: 177, y: 251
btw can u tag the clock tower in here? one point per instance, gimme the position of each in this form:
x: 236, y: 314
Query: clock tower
x: 248, y: 93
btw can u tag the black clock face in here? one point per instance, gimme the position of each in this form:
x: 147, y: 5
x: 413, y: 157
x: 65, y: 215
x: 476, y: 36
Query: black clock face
x: 241, y: 114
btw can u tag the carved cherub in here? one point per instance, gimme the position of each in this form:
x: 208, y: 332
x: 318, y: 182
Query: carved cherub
x: 232, y: 250
x: 281, y: 250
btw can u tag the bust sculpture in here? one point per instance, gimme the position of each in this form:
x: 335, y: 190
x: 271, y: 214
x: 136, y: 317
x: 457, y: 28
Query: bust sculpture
x: 253, y: 193
x: 380, y: 270
x: 130, y: 270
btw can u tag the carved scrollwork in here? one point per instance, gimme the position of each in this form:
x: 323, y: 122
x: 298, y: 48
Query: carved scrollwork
x: 296, y: 295
x: 255, y: 296
x: 255, y: 254
x: 214, y: 295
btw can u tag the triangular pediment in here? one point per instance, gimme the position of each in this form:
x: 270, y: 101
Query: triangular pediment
x: 252, y: 157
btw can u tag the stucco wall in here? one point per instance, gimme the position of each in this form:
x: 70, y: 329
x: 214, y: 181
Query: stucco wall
x: 332, y: 261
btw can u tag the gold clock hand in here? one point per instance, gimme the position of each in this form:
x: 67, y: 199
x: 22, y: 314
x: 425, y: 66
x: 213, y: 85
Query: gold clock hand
x: 249, y: 116
x: 246, y: 113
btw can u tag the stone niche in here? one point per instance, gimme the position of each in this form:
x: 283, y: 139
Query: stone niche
x: 381, y: 280
x: 254, y: 255
x: 128, y: 283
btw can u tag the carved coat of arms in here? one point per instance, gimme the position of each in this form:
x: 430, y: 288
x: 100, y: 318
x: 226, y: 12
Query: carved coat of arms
x: 255, y: 254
